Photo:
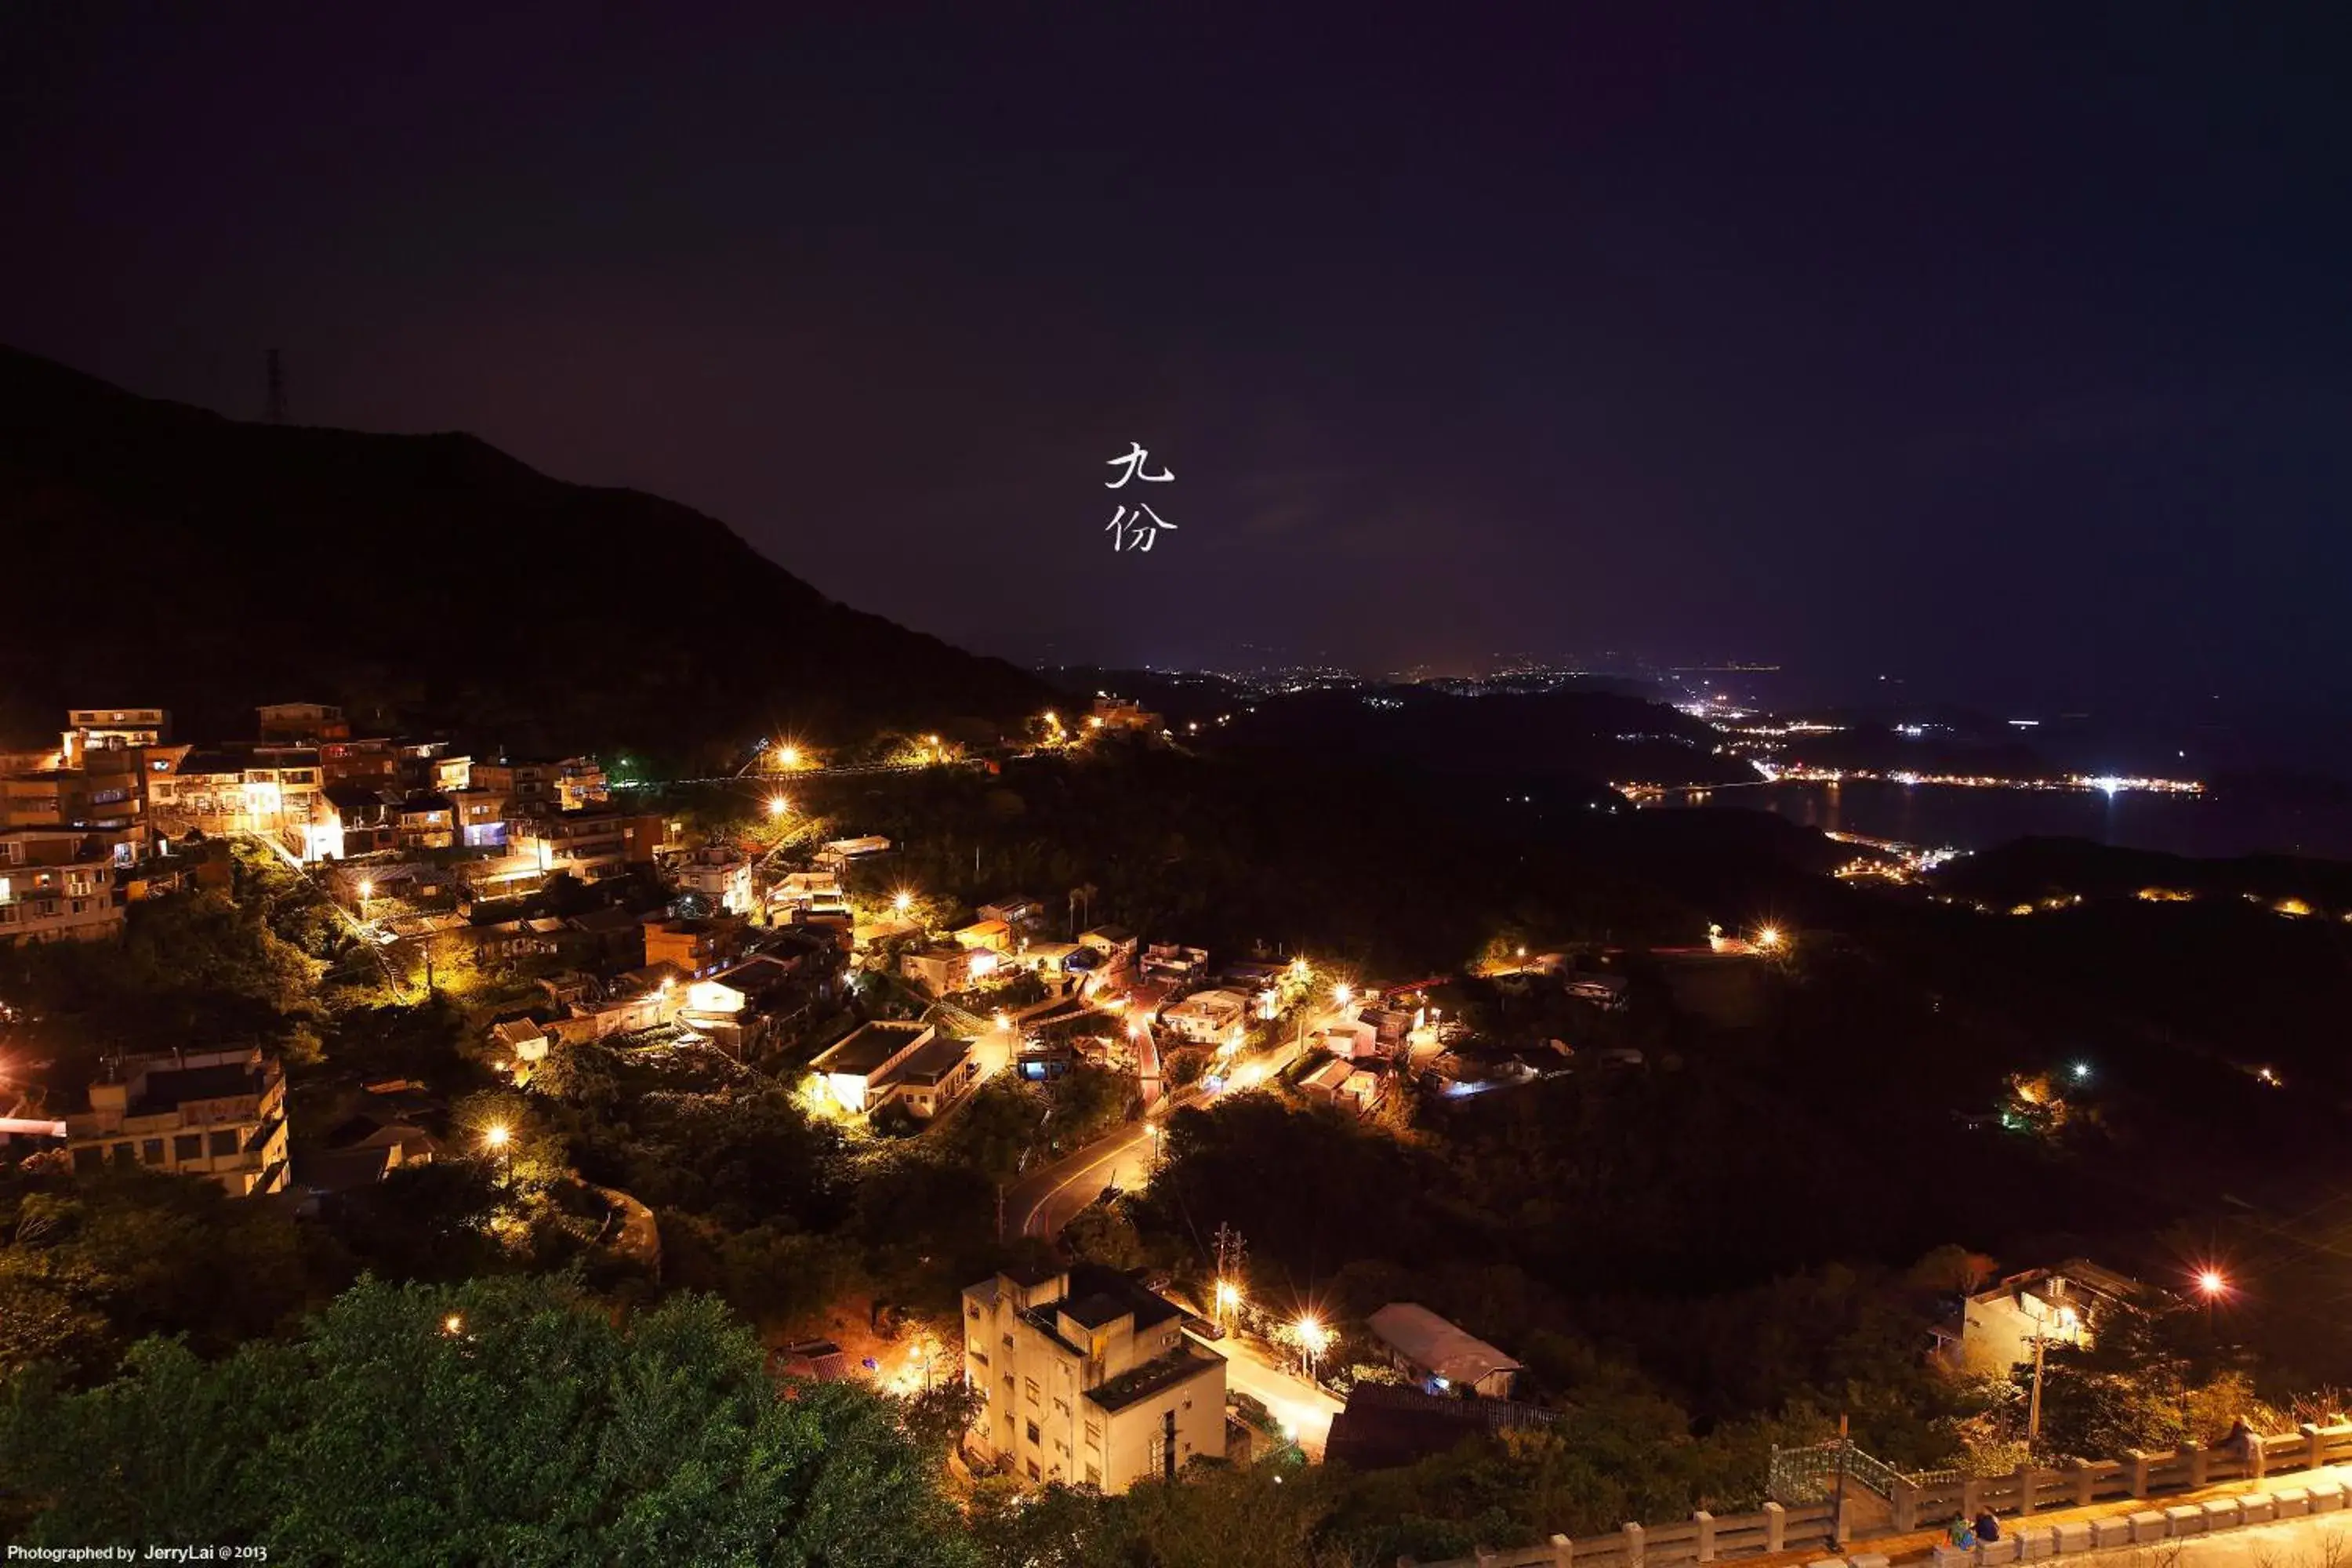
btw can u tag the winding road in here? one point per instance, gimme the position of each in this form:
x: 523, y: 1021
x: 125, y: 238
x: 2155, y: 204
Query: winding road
x: 1046, y: 1199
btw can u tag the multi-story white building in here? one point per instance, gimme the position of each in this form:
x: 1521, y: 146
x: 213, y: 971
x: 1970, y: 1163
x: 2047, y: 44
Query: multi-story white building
x: 279, y: 791
x: 58, y: 882
x: 112, y: 729
x: 1209, y: 1017
x: 719, y: 875
x: 218, y: 1114
x: 1087, y: 1378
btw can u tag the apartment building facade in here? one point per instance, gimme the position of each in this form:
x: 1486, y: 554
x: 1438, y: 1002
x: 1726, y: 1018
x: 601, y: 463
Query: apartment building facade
x: 1086, y: 1377
x: 59, y: 883
x: 220, y: 1115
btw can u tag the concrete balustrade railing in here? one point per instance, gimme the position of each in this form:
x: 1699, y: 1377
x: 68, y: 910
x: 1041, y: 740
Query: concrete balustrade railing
x: 2027, y: 1542
x: 2021, y: 1495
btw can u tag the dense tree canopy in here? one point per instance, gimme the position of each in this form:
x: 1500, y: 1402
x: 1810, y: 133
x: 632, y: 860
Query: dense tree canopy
x: 510, y: 1421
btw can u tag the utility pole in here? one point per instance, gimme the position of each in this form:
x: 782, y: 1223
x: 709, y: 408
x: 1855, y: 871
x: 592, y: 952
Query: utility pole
x: 1227, y: 1290
x: 2033, y: 1403
x: 1837, y: 1510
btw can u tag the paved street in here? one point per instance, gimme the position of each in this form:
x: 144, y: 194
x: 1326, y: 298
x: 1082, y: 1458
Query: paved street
x: 1045, y: 1200
x: 1302, y: 1407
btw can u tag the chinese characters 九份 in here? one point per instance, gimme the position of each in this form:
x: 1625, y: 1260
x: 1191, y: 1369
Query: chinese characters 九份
x: 1137, y: 528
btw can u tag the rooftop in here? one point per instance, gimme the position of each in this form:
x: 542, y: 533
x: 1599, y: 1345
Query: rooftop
x: 1212, y: 1001
x: 171, y: 1087
x: 1140, y: 1383
x: 869, y: 1047
x: 934, y: 1060
x: 1427, y: 1340
x: 1384, y: 1427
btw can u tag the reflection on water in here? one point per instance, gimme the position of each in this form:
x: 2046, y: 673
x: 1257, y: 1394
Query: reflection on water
x: 2208, y: 825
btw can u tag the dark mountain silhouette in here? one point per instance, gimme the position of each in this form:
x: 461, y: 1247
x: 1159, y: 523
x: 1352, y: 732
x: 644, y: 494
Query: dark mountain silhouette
x: 164, y: 554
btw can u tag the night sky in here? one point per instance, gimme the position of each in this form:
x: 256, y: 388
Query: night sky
x: 2005, y: 350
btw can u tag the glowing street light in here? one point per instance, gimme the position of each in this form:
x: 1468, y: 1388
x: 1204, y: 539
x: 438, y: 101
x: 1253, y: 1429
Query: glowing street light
x: 1004, y: 1022
x: 1313, y: 1338
x: 902, y: 901
x: 778, y: 805
x: 1769, y: 939
x: 1343, y: 993
x: 499, y: 1140
x: 790, y: 756
x: 2082, y: 1072
x: 2211, y: 1283
x: 452, y: 1324
x: 1229, y: 1299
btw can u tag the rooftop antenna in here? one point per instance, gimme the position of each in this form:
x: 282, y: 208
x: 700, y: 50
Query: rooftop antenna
x: 276, y: 372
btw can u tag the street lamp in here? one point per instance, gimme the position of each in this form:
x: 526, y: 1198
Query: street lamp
x: 452, y: 1324
x: 1343, y: 993
x: 1229, y: 1299
x: 778, y: 805
x: 2211, y: 1284
x: 1313, y: 1338
x: 1769, y: 939
x: 367, y: 891
x: 790, y: 756
x: 902, y: 901
x: 499, y: 1139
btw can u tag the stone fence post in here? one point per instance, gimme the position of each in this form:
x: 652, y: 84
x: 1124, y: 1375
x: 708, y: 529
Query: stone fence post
x: 2085, y: 1480
x: 2136, y: 1471
x: 1563, y: 1552
x: 2026, y: 1484
x: 1776, y: 1527
x: 2315, y: 1447
x: 1633, y: 1546
x: 1907, y: 1505
x: 2257, y: 1457
x: 2197, y: 1460
x: 1706, y: 1522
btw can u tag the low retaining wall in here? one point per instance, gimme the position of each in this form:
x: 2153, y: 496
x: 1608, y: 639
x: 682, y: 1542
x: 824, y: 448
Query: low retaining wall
x: 2021, y: 1494
x: 2029, y: 1542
